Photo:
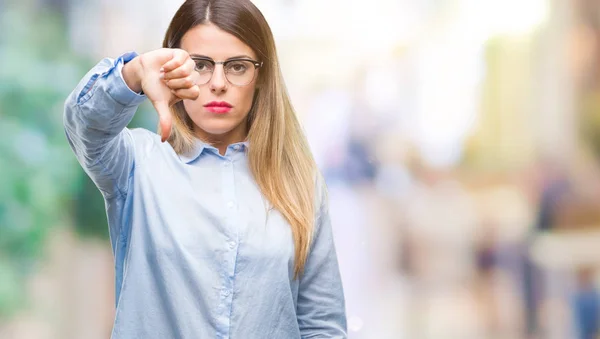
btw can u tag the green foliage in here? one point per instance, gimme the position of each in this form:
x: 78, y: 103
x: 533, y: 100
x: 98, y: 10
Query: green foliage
x: 38, y: 173
x: 41, y: 185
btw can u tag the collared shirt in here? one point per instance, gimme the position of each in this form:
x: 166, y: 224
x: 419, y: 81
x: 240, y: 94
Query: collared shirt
x: 198, y: 252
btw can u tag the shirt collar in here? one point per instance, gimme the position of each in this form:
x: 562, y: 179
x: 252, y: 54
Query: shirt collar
x: 200, y: 146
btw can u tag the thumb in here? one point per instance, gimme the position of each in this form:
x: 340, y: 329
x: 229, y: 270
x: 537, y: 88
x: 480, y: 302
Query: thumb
x: 164, y: 118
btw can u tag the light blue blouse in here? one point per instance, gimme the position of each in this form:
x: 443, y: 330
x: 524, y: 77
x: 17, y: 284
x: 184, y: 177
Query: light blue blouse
x: 197, y: 253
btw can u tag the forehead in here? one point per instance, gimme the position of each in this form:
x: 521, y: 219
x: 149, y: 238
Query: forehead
x: 211, y: 41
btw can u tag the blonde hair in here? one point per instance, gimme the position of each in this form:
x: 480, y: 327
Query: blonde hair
x: 279, y: 156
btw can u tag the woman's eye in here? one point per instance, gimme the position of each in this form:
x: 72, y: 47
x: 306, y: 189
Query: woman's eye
x: 203, y: 66
x: 237, y: 67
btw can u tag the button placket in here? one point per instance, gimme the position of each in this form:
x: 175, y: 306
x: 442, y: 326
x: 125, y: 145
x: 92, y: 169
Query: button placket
x: 231, y: 218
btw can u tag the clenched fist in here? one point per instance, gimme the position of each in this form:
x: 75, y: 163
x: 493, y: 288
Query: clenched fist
x: 166, y: 76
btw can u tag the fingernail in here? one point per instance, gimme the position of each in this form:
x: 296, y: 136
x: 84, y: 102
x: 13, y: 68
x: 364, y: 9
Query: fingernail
x: 162, y: 69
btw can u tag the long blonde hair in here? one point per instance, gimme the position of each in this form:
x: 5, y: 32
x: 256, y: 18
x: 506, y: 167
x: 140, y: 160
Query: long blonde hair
x: 279, y: 157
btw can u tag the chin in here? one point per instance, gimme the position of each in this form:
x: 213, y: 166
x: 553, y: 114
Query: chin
x: 216, y: 125
x: 216, y: 128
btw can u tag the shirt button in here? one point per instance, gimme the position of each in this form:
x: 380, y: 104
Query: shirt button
x: 236, y: 147
x: 230, y: 204
x: 226, y: 293
x: 226, y: 164
x: 232, y: 244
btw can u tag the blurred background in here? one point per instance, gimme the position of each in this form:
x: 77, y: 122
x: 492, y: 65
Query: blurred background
x: 460, y: 140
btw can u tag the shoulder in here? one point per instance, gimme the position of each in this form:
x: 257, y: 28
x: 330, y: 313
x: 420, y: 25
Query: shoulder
x: 148, y: 145
x: 144, y: 138
x: 145, y: 142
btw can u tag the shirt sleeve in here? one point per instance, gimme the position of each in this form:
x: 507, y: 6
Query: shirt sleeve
x: 321, y: 304
x: 95, y: 118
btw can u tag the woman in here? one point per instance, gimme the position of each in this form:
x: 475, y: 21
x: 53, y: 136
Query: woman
x: 220, y: 226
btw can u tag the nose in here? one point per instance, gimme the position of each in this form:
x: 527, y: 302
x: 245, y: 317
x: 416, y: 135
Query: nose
x: 218, y: 82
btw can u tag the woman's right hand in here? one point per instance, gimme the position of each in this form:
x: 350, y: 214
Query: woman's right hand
x: 165, y: 77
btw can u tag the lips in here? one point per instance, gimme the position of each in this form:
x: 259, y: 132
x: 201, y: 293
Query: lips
x: 218, y: 104
x: 218, y: 107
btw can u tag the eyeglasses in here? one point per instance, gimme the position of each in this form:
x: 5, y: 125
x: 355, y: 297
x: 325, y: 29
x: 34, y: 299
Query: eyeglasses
x: 238, y: 71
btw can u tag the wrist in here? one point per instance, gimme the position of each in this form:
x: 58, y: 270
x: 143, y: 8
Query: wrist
x: 132, y: 74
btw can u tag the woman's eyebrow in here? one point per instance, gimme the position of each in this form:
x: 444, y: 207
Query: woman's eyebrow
x: 242, y: 56
x: 193, y: 55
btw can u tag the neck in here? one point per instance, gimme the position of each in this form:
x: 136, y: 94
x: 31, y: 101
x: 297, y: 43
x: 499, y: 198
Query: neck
x: 221, y: 141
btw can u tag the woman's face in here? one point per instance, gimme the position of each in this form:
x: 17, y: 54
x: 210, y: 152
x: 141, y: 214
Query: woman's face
x: 212, y: 120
